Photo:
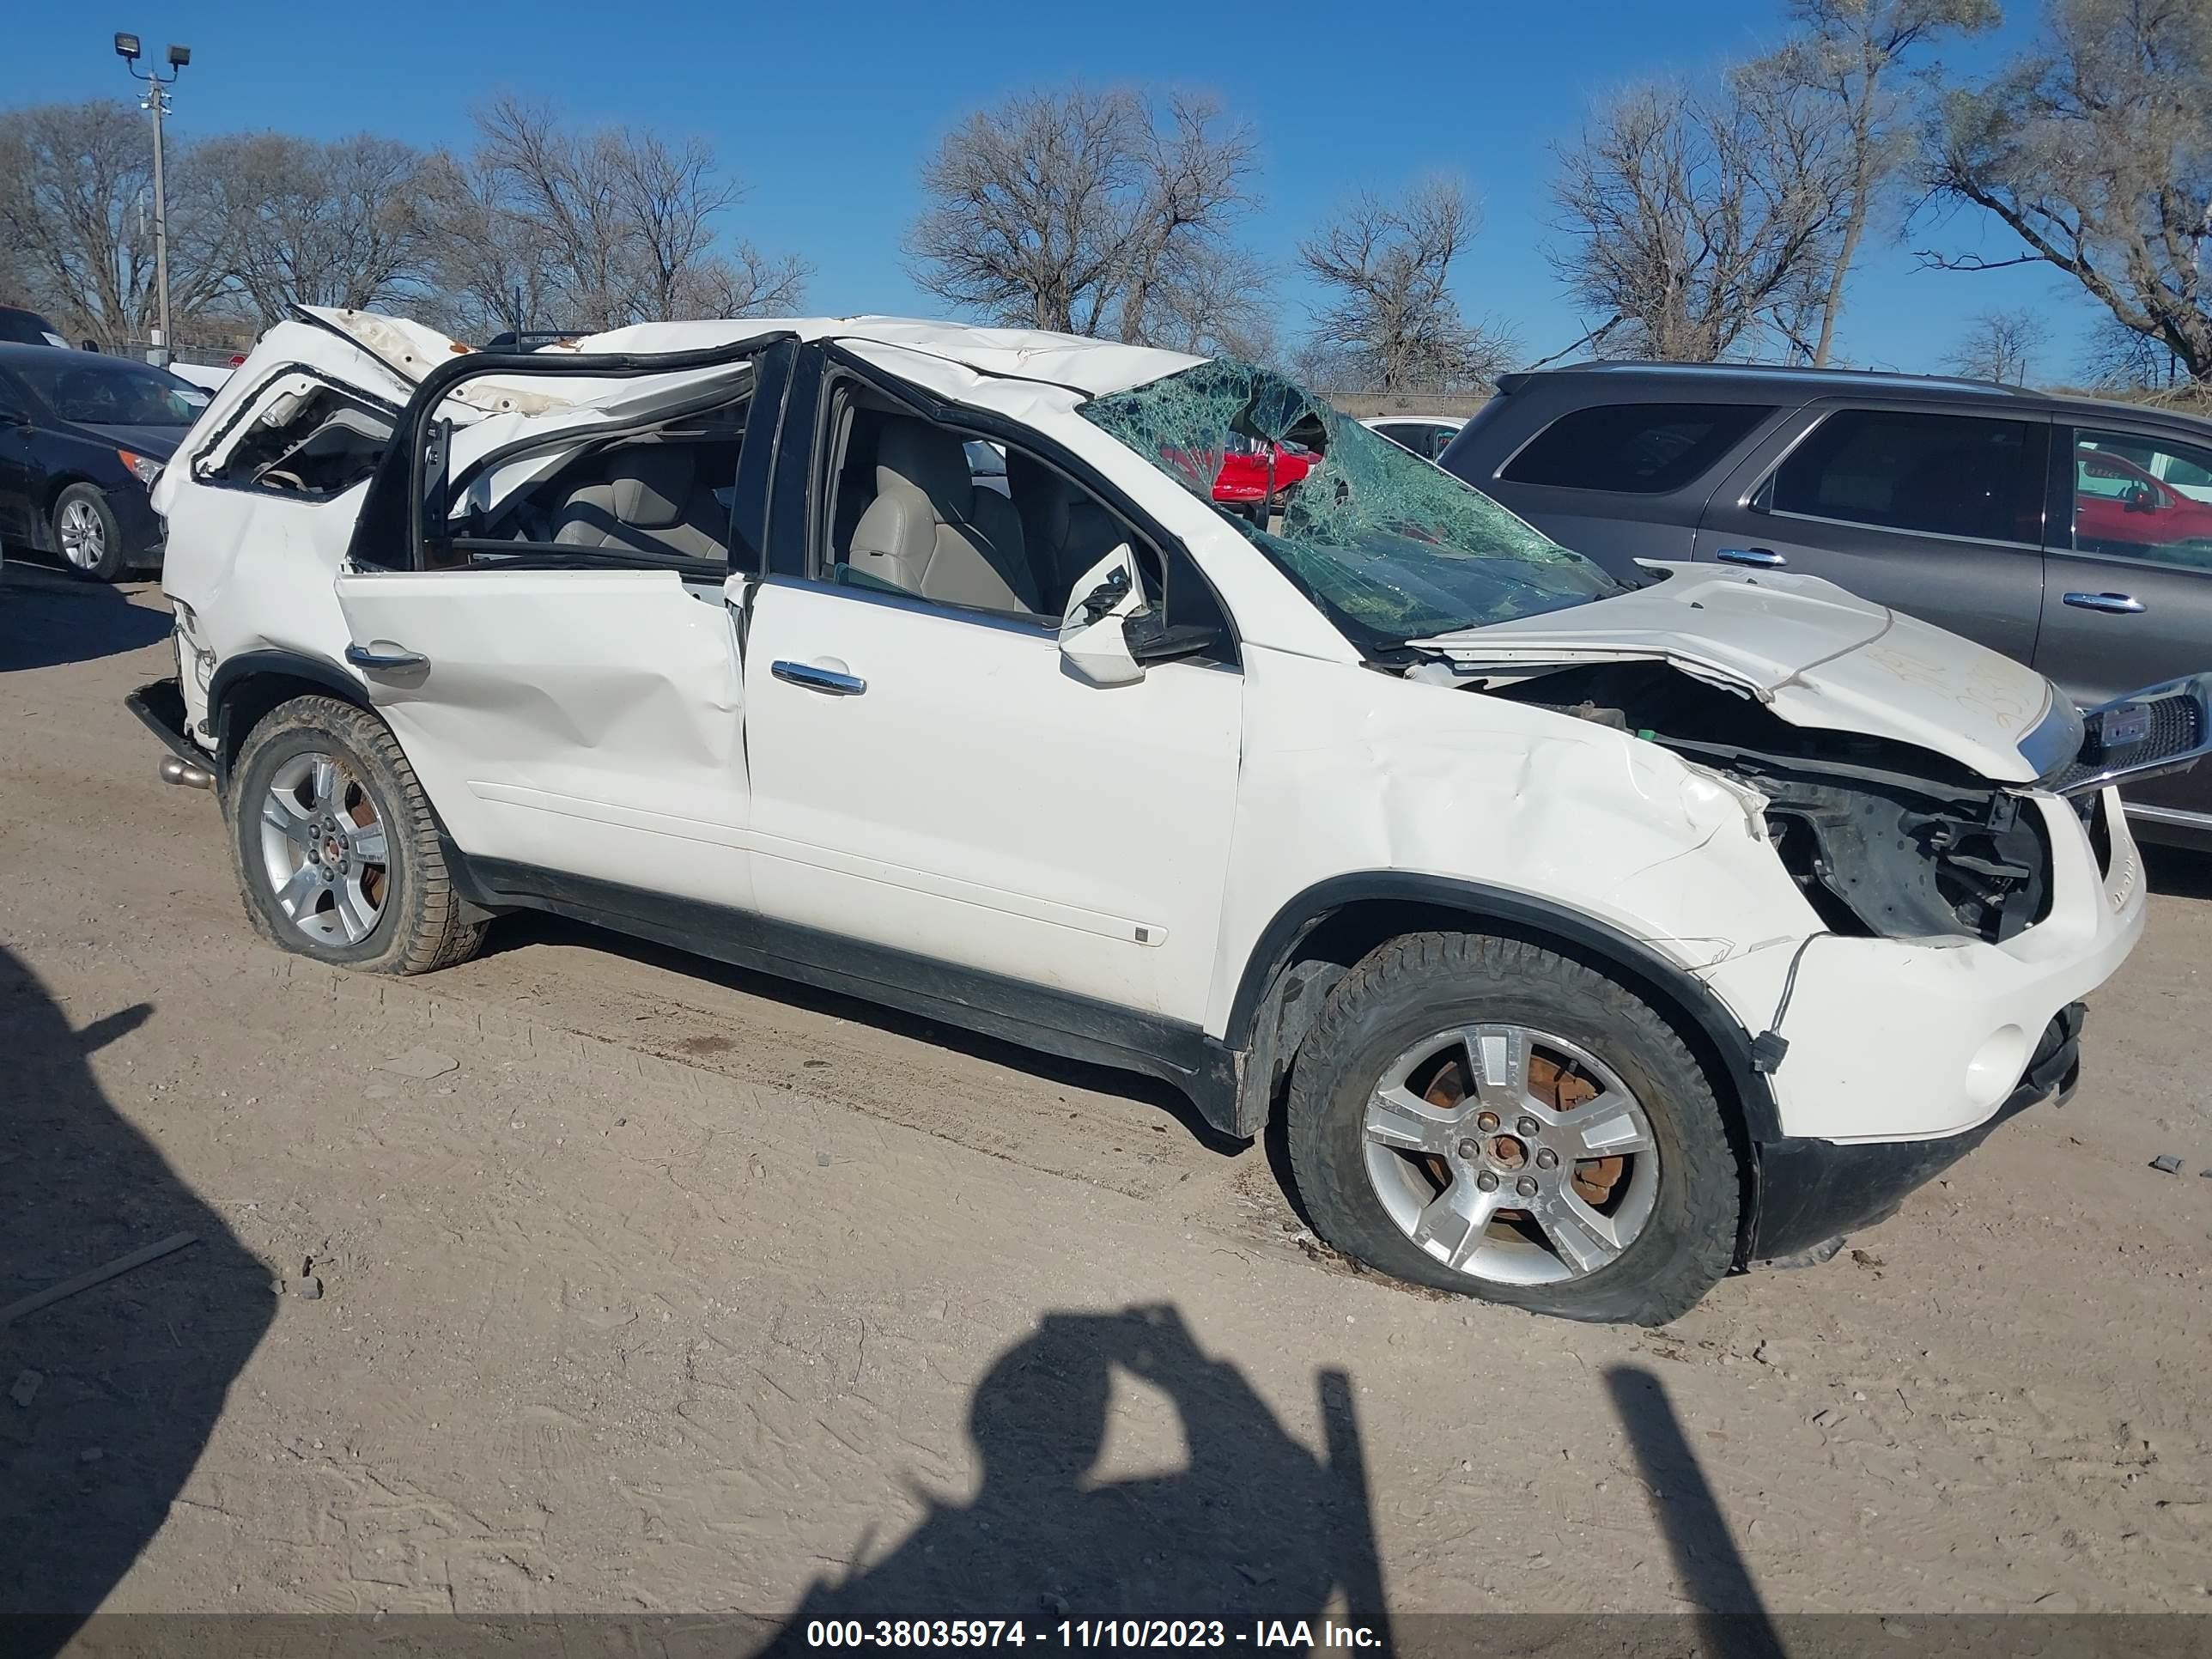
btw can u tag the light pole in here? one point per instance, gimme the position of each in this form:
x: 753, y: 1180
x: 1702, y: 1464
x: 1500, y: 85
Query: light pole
x: 157, y: 101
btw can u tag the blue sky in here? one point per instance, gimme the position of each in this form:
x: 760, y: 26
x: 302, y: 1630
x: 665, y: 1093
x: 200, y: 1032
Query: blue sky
x: 825, y: 109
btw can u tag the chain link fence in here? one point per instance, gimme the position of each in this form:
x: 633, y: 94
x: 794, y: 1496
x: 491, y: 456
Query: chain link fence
x: 207, y: 356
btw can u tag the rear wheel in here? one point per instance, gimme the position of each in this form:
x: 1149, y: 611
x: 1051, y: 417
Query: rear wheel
x: 1485, y: 1115
x: 336, y: 846
x: 87, y: 536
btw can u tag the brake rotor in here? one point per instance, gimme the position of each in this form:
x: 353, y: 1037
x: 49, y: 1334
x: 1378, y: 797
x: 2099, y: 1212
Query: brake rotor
x: 1560, y: 1087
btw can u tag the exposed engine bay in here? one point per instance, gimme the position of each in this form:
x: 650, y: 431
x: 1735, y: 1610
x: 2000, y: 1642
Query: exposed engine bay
x: 1885, y: 839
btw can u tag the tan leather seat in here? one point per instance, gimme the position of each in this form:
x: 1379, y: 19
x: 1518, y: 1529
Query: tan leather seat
x: 652, y: 502
x: 930, y: 532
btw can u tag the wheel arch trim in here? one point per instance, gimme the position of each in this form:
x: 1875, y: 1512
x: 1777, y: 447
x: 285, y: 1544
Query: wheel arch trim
x: 1746, y: 1092
x: 234, y: 673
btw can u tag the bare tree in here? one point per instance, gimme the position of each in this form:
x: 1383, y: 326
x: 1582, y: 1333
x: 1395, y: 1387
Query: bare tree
x: 1198, y: 183
x: 623, y: 220
x: 284, y: 220
x: 1079, y: 211
x: 2095, y: 151
x: 2121, y: 359
x: 741, y: 283
x: 1393, y: 323
x: 1703, y: 224
x: 1999, y: 347
x: 74, y: 210
x: 494, y: 267
x: 1856, y: 53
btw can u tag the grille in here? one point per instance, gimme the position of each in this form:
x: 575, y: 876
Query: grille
x: 2177, y: 732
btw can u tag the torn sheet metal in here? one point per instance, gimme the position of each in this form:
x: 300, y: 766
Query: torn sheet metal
x: 1818, y: 656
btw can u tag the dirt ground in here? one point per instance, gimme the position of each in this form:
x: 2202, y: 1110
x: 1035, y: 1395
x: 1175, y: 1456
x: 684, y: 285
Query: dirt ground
x: 644, y: 1285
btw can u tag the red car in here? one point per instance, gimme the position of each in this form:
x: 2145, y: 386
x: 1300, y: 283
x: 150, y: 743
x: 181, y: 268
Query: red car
x: 2119, y: 507
x: 1242, y: 480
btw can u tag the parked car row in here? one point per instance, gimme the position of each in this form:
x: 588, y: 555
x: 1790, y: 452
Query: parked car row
x: 83, y: 437
x: 1554, y: 901
x: 2072, y: 535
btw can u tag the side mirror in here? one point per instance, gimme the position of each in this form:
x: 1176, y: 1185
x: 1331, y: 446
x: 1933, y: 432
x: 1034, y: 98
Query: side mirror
x: 1094, y: 643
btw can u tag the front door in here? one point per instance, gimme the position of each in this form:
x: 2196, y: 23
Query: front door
x: 18, y: 481
x: 929, y: 776
x: 2128, y: 601
x: 1937, y: 515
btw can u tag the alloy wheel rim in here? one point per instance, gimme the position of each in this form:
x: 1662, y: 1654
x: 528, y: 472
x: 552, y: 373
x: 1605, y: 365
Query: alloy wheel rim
x: 84, y: 541
x: 1509, y: 1154
x: 325, y: 850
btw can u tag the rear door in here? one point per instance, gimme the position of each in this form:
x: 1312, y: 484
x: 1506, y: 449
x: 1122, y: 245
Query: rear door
x: 1935, y: 513
x: 569, y: 706
x: 2128, y: 599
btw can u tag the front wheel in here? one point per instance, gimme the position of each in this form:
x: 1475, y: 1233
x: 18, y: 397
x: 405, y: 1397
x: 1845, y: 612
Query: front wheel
x: 85, y: 532
x: 1485, y: 1115
x: 337, y: 848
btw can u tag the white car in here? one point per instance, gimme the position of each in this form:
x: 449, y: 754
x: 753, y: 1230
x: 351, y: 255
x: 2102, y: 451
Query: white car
x: 1427, y: 435
x: 1595, y: 940
x: 208, y: 378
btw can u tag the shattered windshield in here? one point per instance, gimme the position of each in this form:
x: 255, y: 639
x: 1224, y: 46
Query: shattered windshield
x: 1395, y: 548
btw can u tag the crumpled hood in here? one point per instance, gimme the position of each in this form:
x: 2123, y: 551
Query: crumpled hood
x: 1819, y: 656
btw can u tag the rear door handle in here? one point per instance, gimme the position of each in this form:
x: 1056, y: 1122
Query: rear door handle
x: 1765, y: 557
x: 834, y: 681
x: 2124, y: 604
x: 362, y: 656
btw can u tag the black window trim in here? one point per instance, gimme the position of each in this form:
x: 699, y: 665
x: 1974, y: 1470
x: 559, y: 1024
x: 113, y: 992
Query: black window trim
x: 1755, y: 434
x: 1750, y: 499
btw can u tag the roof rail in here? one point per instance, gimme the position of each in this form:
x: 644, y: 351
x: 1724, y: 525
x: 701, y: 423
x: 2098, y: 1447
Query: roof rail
x: 1780, y: 371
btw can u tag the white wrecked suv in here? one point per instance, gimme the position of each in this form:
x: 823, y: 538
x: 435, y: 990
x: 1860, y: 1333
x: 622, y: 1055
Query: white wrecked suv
x: 1595, y: 939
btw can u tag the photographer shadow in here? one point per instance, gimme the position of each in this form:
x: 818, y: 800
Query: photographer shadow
x: 113, y: 1391
x: 1256, y: 1527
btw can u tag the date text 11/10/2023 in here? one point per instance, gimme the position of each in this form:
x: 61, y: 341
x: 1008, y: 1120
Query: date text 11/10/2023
x: 1295, y: 1634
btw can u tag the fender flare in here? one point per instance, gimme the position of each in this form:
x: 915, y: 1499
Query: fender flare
x: 1666, y: 983
x: 246, y: 666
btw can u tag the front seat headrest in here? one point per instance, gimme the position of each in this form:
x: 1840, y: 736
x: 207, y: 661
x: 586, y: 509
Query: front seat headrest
x: 928, y: 458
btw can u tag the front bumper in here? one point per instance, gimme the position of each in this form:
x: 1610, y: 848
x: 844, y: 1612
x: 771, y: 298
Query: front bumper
x: 1810, y: 1191
x: 1921, y: 1040
x: 145, y: 533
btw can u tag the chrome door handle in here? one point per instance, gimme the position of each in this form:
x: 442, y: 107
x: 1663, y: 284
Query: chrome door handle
x: 819, y: 679
x: 362, y: 657
x: 2124, y: 604
x: 1765, y: 557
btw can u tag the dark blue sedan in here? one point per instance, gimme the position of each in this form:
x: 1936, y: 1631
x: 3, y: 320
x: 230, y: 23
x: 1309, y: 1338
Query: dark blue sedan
x: 83, y: 437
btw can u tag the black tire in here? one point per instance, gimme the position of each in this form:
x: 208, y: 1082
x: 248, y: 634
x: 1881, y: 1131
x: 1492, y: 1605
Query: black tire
x: 114, y: 560
x: 421, y: 924
x: 1426, y: 983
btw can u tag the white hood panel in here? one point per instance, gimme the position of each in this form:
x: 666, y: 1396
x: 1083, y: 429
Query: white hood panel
x: 1819, y: 656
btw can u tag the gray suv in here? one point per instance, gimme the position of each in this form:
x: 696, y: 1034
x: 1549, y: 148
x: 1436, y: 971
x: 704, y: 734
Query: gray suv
x: 2072, y: 534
